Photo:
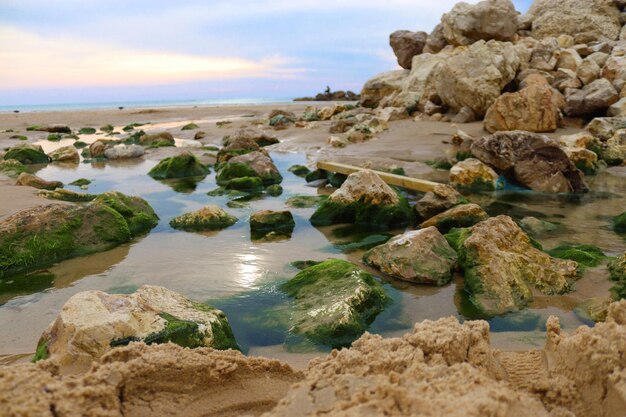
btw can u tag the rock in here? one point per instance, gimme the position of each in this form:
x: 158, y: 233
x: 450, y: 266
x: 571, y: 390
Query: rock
x: 246, y: 136
x: 304, y: 201
x: 337, y: 142
x: 182, y: 165
x: 124, y: 152
x: 363, y: 199
x: 618, y: 109
x: 62, y: 231
x: 599, y: 58
x: 614, y: 150
x: 326, y: 113
x: 475, y: 77
x: 235, y: 146
x: 531, y: 109
x: 588, y: 71
x: 486, y: 20
x: 65, y: 154
x: 580, y: 140
x: 584, y: 159
x: 381, y: 86
x: 62, y: 194
x: 614, y: 70
x: 27, y: 153
x: 569, y: 59
x: 157, y: 139
x: 501, y: 266
x: 210, y: 217
x: 436, y: 41
x: 342, y: 125
x: 617, y: 274
x: 12, y: 167
x: 420, y: 256
x: 31, y: 180
x: 584, y: 20
x: 604, y: 128
x: 334, y: 302
x: 595, y: 97
x: 190, y: 126
x: 440, y: 199
x: 472, y: 174
x: 537, y: 227
x: 253, y: 164
x: 247, y: 184
x: 91, y: 323
x: 462, y: 215
x: 533, y: 160
x: 390, y: 114
x: 299, y: 170
x: 199, y: 135
x: 136, y: 211
x: 545, y: 55
x: 594, y: 309
x: 96, y: 149
x: 406, y: 45
x: 280, y: 121
x: 50, y: 129
x: 268, y: 223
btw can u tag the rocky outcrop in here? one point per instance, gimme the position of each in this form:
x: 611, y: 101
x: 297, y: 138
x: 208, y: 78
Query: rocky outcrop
x: 533, y: 160
x: 440, y: 199
x: 475, y: 77
x: 472, y: 174
x: 91, y: 323
x: 486, y: 20
x: 124, y: 152
x: 463, y: 215
x: 365, y: 199
x: 31, y: 180
x: 27, y: 153
x: 531, y: 109
x: 268, y: 224
x: 210, y: 217
x: 65, y: 154
x: 595, y: 97
x: 381, y: 86
x: 406, y: 45
x: 334, y: 302
x: 586, y: 21
x: 420, y: 256
x: 182, y: 165
x: 501, y: 266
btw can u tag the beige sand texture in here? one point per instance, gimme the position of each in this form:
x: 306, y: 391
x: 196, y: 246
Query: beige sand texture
x: 441, y: 368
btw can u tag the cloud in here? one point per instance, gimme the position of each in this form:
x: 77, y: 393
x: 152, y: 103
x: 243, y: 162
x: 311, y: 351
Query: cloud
x: 31, y: 60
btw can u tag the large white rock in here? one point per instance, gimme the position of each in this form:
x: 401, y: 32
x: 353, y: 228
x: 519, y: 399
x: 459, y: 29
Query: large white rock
x: 381, y: 86
x: 489, y: 19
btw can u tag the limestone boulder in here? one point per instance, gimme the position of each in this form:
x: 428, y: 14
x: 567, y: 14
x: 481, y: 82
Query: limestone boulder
x: 419, y: 256
x: 406, y: 45
x: 617, y: 109
x: 586, y: 20
x: 30, y: 180
x: 253, y: 164
x: 161, y: 138
x: 533, y: 160
x: 595, y: 97
x: 588, y: 71
x: 463, y: 215
x: 27, y: 153
x: 381, y: 86
x: 210, y: 217
x: 473, y: 174
x: 436, y: 40
x: 440, y: 199
x: 96, y: 149
x: 124, y: 152
x: 65, y: 154
x: 604, y: 128
x: 501, y: 266
x: 183, y: 165
x: 91, y: 323
x: 475, y: 77
x: 486, y: 20
x: 532, y: 109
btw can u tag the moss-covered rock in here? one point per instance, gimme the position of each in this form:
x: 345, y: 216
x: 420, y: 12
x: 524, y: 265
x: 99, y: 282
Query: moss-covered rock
x: 87, y: 131
x: 67, y: 195
x: 107, y: 128
x: 30, y: 180
x: 619, y: 223
x: 617, y: 273
x: 501, y: 265
x: 364, y: 243
x: 252, y: 164
x: 140, y: 217
x: 50, y: 129
x: 463, y: 215
x: 190, y: 126
x: 584, y: 255
x: 420, y: 256
x: 274, y: 190
x: 65, y: 154
x: 268, y: 223
x: 43, y: 235
x: 180, y: 166
x: 305, y: 201
x: 80, y: 144
x: 299, y: 170
x: 472, y: 174
x: 364, y: 199
x: 334, y: 302
x: 130, y: 127
x: 210, y: 217
x: 54, y: 137
x: 19, y: 137
x: 87, y: 327
x: 163, y: 138
x: 27, y: 154
x: 537, y: 227
x: 81, y: 182
x: 248, y: 184
x: 13, y: 168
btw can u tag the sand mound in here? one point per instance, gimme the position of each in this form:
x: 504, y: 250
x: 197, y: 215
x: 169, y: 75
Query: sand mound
x: 441, y: 368
x: 156, y: 380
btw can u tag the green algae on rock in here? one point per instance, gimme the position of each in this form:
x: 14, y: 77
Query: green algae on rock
x: 81, y: 182
x: 12, y: 167
x: 299, y: 170
x: 334, y: 302
x: 619, y: 223
x: 107, y: 128
x: 87, y: 327
x: 182, y: 165
x: 161, y: 138
x: 365, y: 243
x: 584, y: 255
x: 274, y: 190
x: 617, y: 273
x: 86, y: 131
x: 305, y: 201
x: 364, y: 199
x: 210, y: 217
x: 463, y: 215
x: 501, y: 265
x: 420, y: 256
x: 190, y: 126
x: 62, y: 194
x: 252, y: 164
x: 139, y: 215
x: 249, y: 184
x: 27, y: 153
x: 268, y: 223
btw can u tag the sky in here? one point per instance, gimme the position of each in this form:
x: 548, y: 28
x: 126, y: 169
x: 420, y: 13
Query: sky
x: 90, y: 51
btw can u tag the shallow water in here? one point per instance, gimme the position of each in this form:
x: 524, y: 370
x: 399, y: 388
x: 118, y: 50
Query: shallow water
x: 240, y: 276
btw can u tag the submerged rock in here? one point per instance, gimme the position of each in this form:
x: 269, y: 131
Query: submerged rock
x: 91, y: 323
x: 124, y: 152
x: 463, y: 215
x: 299, y: 170
x: 62, y: 194
x: 139, y: 215
x: 472, y: 174
x: 65, y: 154
x: 210, y: 217
x: 268, y: 223
x: 536, y: 227
x: 334, y: 302
x: 364, y: 198
x: 501, y: 266
x: 440, y: 199
x: 182, y: 165
x: 420, y: 256
x: 27, y: 153
x: 31, y: 180
x: 304, y: 201
x: 533, y: 160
